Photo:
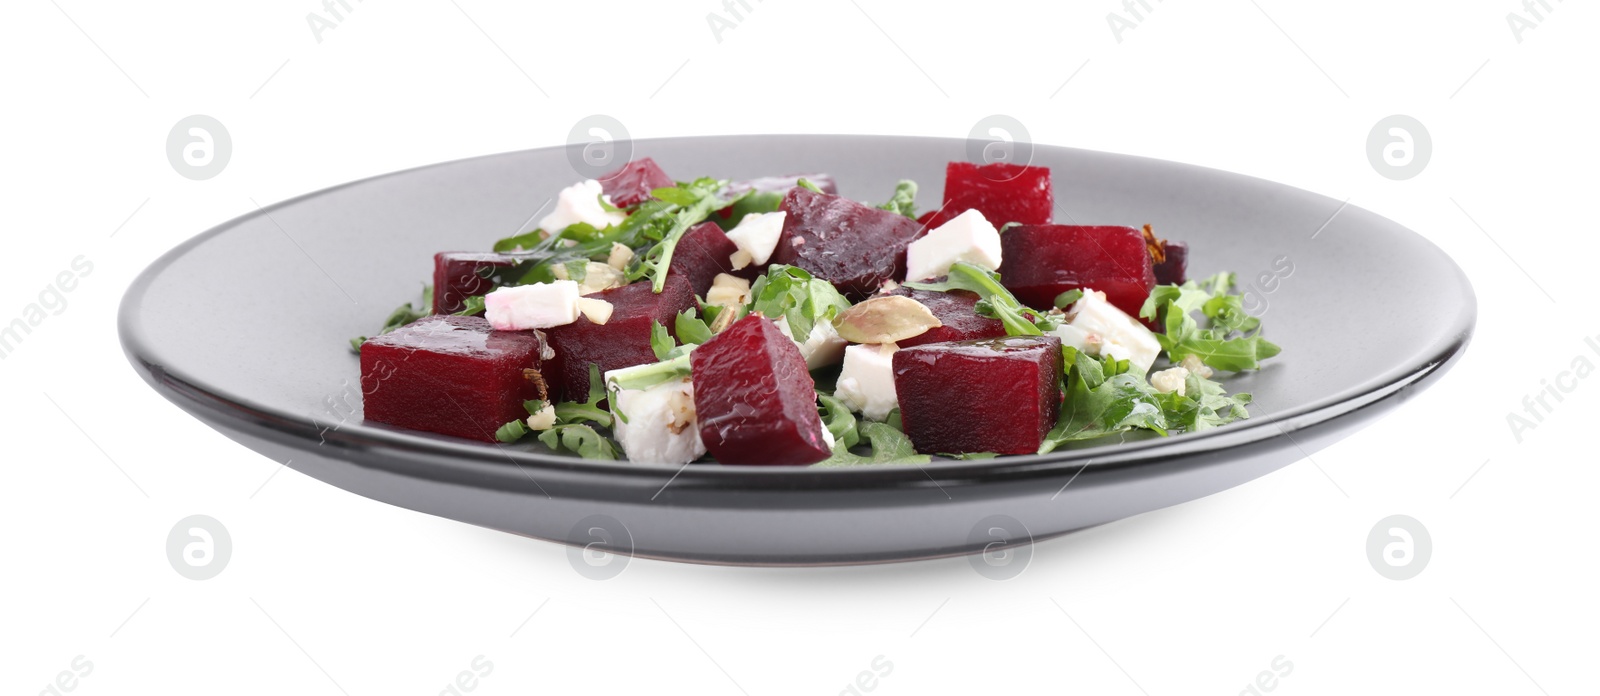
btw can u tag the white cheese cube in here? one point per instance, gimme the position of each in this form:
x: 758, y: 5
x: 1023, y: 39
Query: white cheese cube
x: 597, y: 277
x: 822, y: 347
x: 1106, y: 330
x: 661, y: 426
x: 966, y: 237
x: 866, y: 382
x: 758, y: 234
x: 580, y: 202
x: 536, y: 306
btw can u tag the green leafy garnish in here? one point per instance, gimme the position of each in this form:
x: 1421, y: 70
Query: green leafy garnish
x: 994, y: 300
x: 511, y: 432
x: 1066, y: 299
x: 571, y: 431
x: 797, y: 296
x: 806, y: 184
x: 752, y: 202
x: 1104, y: 398
x: 472, y: 306
x: 688, y: 205
x: 839, y: 421
x: 904, y: 200
x: 661, y: 342
x: 1230, y: 338
x: 690, y: 328
x: 402, y: 315
x: 888, y: 446
x: 581, y: 439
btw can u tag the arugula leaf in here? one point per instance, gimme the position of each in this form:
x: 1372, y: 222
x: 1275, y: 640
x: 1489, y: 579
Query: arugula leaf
x: 1066, y: 299
x: 402, y: 315
x: 581, y: 439
x: 511, y: 432
x: 840, y: 421
x: 889, y: 446
x: 994, y: 300
x: 526, y: 240
x: 1230, y: 338
x: 660, y: 340
x: 752, y: 202
x: 471, y: 306
x: 1102, y: 398
x: 688, y: 204
x: 573, y: 412
x: 806, y: 184
x: 691, y: 328
x: 797, y: 296
x: 904, y: 200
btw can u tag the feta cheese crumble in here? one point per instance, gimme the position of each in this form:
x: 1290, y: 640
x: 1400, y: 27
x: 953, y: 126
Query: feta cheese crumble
x: 728, y: 291
x: 866, y: 382
x: 536, y: 306
x: 580, y: 202
x: 1097, y: 327
x: 822, y: 347
x: 758, y: 233
x: 966, y: 237
x: 661, y: 426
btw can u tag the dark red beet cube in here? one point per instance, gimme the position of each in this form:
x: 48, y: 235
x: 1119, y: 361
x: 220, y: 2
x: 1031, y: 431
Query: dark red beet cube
x: 854, y: 246
x: 450, y: 375
x: 458, y: 275
x: 991, y: 395
x: 781, y: 184
x: 1043, y: 261
x: 1003, y: 192
x: 632, y: 184
x: 1175, y: 269
x: 755, y: 399
x: 702, y: 253
x: 624, y: 340
x: 956, y: 311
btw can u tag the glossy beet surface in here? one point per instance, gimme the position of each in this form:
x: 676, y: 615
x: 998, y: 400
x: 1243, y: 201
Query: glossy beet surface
x: 623, y: 341
x: 632, y: 183
x: 450, y: 375
x: 854, y: 246
x: 1175, y: 269
x: 702, y: 253
x: 755, y: 399
x: 955, y: 311
x: 990, y: 395
x: 458, y: 275
x: 1043, y: 261
x: 1004, y: 193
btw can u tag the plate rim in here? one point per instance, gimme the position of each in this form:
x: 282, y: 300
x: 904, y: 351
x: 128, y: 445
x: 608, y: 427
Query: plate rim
x: 464, y: 457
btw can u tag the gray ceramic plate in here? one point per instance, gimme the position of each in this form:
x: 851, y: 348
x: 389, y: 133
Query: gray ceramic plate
x: 245, y: 327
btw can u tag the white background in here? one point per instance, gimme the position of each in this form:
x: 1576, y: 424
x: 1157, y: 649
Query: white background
x: 329, y: 593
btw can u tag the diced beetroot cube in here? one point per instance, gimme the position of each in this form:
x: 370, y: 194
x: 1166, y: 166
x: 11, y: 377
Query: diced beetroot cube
x: 781, y: 184
x: 458, y: 275
x: 450, y: 375
x: 702, y: 253
x: 624, y: 340
x: 632, y: 184
x: 991, y: 395
x: 1003, y: 192
x: 1174, y: 270
x: 955, y: 310
x: 754, y: 399
x: 854, y: 246
x: 1043, y: 261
